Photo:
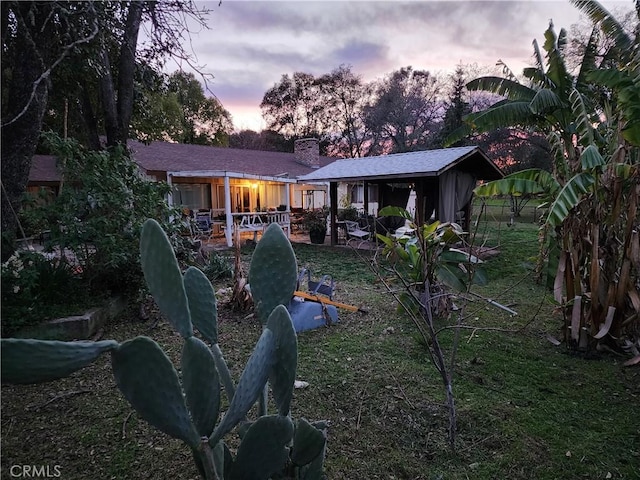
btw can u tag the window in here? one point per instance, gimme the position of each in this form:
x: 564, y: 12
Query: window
x: 192, y: 195
x: 356, y: 192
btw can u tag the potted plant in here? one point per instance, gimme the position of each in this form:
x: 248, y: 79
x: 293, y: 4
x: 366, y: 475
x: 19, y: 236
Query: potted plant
x: 315, y: 221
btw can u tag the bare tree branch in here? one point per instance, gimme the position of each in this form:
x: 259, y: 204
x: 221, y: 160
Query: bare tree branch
x: 47, y: 73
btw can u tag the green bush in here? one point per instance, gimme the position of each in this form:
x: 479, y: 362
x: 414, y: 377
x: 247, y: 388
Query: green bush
x: 348, y: 213
x: 99, y: 212
x: 36, y: 287
x: 218, y: 267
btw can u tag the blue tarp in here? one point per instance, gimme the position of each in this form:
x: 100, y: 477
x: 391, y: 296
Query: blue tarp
x: 307, y: 315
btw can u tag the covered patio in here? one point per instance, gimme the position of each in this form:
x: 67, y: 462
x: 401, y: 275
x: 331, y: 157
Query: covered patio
x: 235, y: 202
x: 442, y: 181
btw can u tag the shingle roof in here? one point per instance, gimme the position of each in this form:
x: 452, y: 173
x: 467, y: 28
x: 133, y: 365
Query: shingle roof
x: 408, y: 165
x: 165, y: 157
x: 43, y: 169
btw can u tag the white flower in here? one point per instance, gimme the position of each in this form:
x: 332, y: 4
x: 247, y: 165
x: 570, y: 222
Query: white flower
x: 16, y: 288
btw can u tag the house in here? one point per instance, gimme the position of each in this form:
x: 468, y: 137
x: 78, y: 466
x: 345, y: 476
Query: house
x: 234, y: 184
x: 442, y: 181
x: 230, y: 183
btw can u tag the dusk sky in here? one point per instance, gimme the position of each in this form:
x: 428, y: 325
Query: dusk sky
x: 251, y: 44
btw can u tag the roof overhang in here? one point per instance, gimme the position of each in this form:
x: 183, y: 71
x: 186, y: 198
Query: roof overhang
x: 408, y: 166
x: 222, y: 174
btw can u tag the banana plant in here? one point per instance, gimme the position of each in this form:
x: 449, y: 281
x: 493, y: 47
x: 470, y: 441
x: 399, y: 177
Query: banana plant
x: 592, y: 121
x: 187, y: 406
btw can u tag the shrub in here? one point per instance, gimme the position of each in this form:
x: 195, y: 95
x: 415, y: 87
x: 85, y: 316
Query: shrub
x: 99, y: 213
x: 218, y: 267
x: 348, y: 213
x: 36, y: 287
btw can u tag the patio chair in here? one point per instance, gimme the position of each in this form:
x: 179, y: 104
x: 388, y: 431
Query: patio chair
x: 204, y: 225
x: 355, y: 232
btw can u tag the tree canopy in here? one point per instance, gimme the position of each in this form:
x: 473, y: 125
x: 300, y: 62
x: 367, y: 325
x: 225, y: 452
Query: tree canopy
x: 89, y: 54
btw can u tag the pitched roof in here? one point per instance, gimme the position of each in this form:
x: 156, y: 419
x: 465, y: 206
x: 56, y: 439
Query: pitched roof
x: 43, y: 169
x: 172, y: 157
x: 425, y: 163
x: 180, y: 157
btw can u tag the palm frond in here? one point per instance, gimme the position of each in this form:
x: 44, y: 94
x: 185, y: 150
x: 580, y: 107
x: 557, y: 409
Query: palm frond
x: 557, y: 73
x: 530, y: 181
x: 544, y: 101
x: 588, y: 60
x: 502, y: 86
x: 626, y: 87
x: 583, y: 125
x: 511, y: 186
x: 624, y: 170
x: 550, y: 38
x: 631, y: 132
x: 591, y: 158
x: 557, y: 151
x: 610, y: 77
x: 463, y: 131
x: 537, y: 55
x: 506, y: 71
x: 562, y: 41
x: 570, y: 195
x: 504, y: 115
x: 537, y: 77
x: 601, y: 17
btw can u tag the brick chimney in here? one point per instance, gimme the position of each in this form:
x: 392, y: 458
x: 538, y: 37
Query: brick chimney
x: 307, y: 152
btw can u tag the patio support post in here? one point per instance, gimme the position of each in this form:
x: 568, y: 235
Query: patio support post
x: 365, y: 187
x: 333, y: 201
x: 170, y: 194
x: 287, y: 195
x: 228, y: 232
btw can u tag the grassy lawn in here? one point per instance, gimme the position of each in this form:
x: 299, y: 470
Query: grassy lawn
x: 526, y: 409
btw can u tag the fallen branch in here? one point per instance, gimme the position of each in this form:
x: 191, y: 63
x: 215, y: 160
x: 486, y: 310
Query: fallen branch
x: 404, y: 395
x: 124, y: 425
x: 361, y: 403
x: 63, y: 395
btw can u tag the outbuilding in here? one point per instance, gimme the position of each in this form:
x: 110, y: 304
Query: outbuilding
x: 443, y: 181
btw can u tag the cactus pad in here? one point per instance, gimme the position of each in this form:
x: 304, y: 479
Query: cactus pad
x: 252, y: 381
x: 163, y: 277
x: 263, y: 451
x: 273, y: 272
x: 33, y: 361
x: 283, y: 373
x: 308, y: 443
x: 149, y: 382
x: 201, y: 385
x: 202, y: 303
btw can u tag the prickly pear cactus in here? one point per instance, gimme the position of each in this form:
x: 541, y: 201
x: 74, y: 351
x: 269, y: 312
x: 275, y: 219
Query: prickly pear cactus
x: 273, y: 272
x: 187, y: 406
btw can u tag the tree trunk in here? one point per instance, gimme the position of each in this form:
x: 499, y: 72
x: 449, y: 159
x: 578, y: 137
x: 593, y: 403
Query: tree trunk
x: 126, y: 70
x: 108, y: 97
x: 89, y: 117
x: 21, y: 116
